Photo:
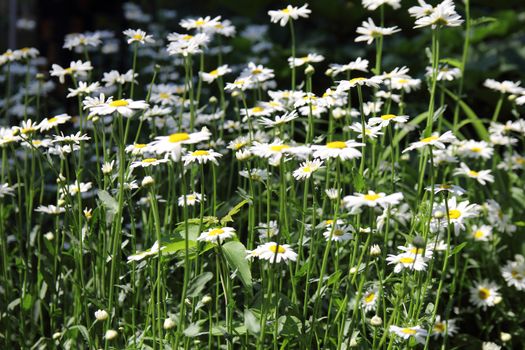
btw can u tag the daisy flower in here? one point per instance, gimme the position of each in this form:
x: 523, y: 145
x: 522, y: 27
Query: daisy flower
x: 290, y: 12
x: 345, y: 85
x: 475, y: 149
x: 457, y: 213
x: 239, y: 84
x: 338, y: 233
x: 344, y: 150
x: 49, y: 123
x: 76, y: 69
x: 406, y: 261
x: 50, y: 209
x: 444, y: 327
x: 153, y: 251
x: 138, y: 36
x: 504, y: 87
x: 454, y: 189
x: 482, y: 176
x: 137, y: 149
x: 147, y: 162
x: 484, y: 294
x: 310, y: 58
x: 481, y: 233
x: 115, y: 78
x: 422, y: 10
x: 191, y: 199
x: 274, y: 252
x: 125, y: 107
x: 217, y: 235
x: 418, y: 333
x: 201, y: 23
x: 186, y: 44
x: 79, y: 187
x: 444, y: 72
x: 173, y: 142
x: 370, y: 131
x: 257, y: 73
x: 359, y: 64
x: 487, y: 345
x: 201, y: 157
x: 306, y: 169
x: 369, y: 299
x: 268, y: 231
x: 435, y: 140
x: 83, y: 89
x: 443, y: 15
x: 373, y: 5
x: 369, y: 31
x: 279, y: 120
x: 271, y: 151
x: 214, y: 74
x: 386, y: 119
x: 514, y: 273
x: 372, y: 199
x: 6, y: 190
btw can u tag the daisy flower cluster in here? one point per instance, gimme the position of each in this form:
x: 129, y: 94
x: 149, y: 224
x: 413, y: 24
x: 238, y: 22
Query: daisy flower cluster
x: 219, y: 189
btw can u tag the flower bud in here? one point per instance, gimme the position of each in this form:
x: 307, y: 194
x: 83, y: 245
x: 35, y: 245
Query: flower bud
x: 505, y: 337
x: 49, y: 236
x: 375, y: 250
x: 309, y: 70
x: 376, y: 321
x: 206, y: 299
x: 111, y: 334
x: 147, y: 181
x: 168, y: 324
x: 418, y: 242
x: 213, y: 100
x: 101, y: 315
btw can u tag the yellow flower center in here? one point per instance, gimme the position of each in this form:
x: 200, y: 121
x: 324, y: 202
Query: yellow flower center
x: 277, y: 249
x: 200, y: 153
x: 138, y: 37
x: 445, y: 187
x: 214, y: 72
x: 402, y: 81
x: 285, y: 11
x: 439, y: 327
x: 336, y: 144
x: 119, y: 103
x: 199, y: 22
x: 406, y: 260
x: 178, y: 137
x: 473, y: 173
x: 164, y: 95
x: 256, y: 71
x: 478, y: 234
x: 187, y: 37
x: 307, y: 169
x: 476, y: 149
x: 68, y: 70
x: 139, y: 145
x: 429, y: 139
x: 408, y: 331
x: 149, y: 160
x: 329, y: 222
x: 483, y: 293
x: 356, y: 80
x: 416, y: 250
x: 370, y: 297
x: 216, y: 232
x: 279, y: 148
x: 388, y: 116
x: 257, y: 109
x: 515, y: 274
x: 52, y: 120
x: 338, y: 232
x: 371, y: 197
x: 190, y: 197
x: 454, y: 213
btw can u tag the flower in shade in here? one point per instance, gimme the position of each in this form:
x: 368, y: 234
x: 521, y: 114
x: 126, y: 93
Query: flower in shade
x: 482, y: 176
x: 484, y: 294
x: 416, y: 332
x: 214, y: 74
x: 434, y: 140
x: 514, y: 272
x: 369, y: 31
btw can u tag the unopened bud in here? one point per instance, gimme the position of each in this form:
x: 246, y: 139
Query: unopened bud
x: 111, y: 334
x: 309, y: 70
x: 376, y: 321
x: 169, y: 323
x: 101, y: 315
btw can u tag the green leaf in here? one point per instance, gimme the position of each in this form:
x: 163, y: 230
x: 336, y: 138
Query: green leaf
x: 198, y: 283
x: 235, y: 254
x: 458, y: 248
x: 289, y: 326
x: 451, y: 61
x: 27, y: 302
x: 177, y: 245
x: 107, y: 201
x: 83, y: 330
x: 229, y: 217
x: 476, y: 121
x: 251, y: 322
x: 192, y: 330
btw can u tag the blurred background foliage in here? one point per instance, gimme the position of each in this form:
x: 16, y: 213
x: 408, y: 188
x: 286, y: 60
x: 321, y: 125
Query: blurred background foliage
x: 497, y: 38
